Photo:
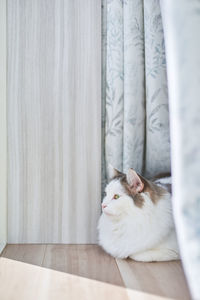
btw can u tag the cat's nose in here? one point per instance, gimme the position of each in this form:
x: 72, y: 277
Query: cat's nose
x: 103, y: 205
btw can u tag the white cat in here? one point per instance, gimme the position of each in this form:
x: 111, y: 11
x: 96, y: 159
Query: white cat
x: 137, y: 219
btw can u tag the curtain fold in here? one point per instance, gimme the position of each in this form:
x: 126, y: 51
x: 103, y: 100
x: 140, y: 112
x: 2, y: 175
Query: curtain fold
x: 135, y: 101
x: 134, y: 93
x: 157, y: 157
x: 181, y: 19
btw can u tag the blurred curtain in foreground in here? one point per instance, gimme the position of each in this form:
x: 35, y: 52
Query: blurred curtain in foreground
x: 181, y: 20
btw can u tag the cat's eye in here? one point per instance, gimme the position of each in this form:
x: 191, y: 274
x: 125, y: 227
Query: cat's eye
x: 116, y: 196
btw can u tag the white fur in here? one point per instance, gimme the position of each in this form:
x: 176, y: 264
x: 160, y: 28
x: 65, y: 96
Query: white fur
x: 144, y: 234
x: 164, y: 180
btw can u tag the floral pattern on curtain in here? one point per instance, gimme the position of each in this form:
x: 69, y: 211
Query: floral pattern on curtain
x: 135, y: 101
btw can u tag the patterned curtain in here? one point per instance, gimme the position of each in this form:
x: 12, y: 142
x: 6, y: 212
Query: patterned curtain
x: 135, y: 100
x: 181, y: 20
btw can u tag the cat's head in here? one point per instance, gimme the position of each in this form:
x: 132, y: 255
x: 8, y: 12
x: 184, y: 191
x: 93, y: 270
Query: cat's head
x: 126, y: 192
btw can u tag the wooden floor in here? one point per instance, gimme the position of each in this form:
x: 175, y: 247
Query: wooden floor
x: 84, y: 272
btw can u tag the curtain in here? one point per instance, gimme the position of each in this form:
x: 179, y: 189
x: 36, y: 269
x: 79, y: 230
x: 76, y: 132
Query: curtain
x: 135, y: 100
x: 135, y: 117
x: 181, y: 19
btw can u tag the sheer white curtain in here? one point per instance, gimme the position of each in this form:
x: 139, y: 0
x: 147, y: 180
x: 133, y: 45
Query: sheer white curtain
x: 181, y: 19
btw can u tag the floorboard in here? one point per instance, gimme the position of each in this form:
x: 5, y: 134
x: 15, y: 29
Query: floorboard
x: 28, y: 253
x: 28, y: 282
x: 86, y: 272
x: 165, y: 279
x: 88, y: 261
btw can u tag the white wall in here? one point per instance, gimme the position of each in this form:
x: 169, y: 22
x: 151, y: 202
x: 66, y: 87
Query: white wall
x: 3, y: 134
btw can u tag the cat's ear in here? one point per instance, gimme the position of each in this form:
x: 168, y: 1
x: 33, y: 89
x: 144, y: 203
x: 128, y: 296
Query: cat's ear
x: 134, y: 181
x: 112, y: 172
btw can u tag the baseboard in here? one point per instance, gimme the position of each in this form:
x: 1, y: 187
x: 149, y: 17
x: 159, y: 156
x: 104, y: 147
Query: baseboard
x: 2, y: 246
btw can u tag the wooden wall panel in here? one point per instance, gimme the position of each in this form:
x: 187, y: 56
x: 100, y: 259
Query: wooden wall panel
x: 54, y: 120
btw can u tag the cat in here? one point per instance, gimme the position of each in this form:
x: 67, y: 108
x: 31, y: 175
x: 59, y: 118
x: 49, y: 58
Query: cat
x: 137, y: 220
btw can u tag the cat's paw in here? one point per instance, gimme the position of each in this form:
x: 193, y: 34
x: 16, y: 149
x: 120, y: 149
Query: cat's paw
x: 143, y: 257
x: 155, y: 255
